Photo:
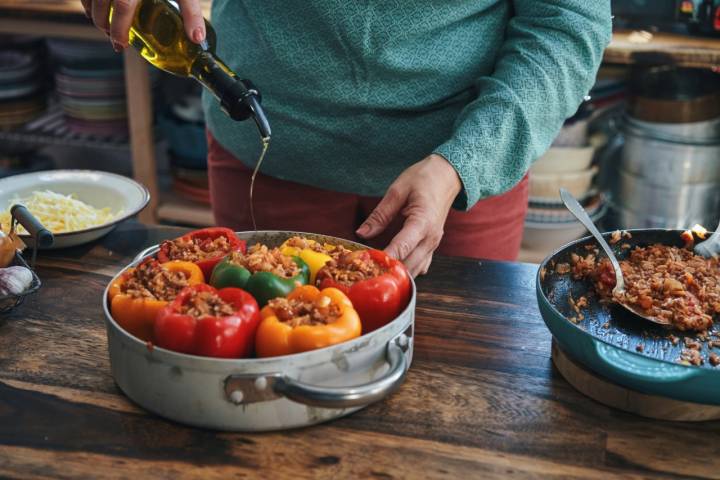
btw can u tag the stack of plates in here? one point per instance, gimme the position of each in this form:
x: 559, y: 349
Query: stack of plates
x: 549, y: 225
x: 183, y: 127
x: 22, y: 92
x: 90, y: 85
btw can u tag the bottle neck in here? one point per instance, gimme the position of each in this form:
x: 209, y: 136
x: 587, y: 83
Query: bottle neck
x: 238, y: 98
x: 216, y: 77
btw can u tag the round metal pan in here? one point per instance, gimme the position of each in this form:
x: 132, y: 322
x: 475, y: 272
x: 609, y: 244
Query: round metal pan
x: 607, y: 338
x: 269, y: 393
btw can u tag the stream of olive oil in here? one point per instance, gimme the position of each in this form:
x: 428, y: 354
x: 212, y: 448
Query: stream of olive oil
x: 265, y: 146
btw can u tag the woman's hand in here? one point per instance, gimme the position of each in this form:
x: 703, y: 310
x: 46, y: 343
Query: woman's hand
x: 423, y: 194
x: 124, y: 11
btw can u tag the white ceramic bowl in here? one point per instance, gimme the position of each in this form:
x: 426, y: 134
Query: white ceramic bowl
x: 96, y: 188
x: 564, y: 160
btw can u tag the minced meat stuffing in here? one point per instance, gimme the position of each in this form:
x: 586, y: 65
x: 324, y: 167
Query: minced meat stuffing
x: 195, y: 249
x: 664, y: 282
x: 150, y: 280
x: 260, y: 258
x: 351, y: 267
x: 304, y: 243
x: 296, y: 312
x: 203, y: 304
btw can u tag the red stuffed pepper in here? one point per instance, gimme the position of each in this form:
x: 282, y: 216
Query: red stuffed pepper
x: 209, y: 322
x: 204, y: 247
x: 378, y: 286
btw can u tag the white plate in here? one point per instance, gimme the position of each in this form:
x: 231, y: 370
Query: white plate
x: 99, y: 189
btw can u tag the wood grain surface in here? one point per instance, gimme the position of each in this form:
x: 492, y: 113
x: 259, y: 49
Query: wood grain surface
x: 481, y: 399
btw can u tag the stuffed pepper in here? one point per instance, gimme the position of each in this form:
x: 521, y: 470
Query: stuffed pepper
x: 204, y: 247
x: 209, y: 322
x: 307, y: 319
x: 313, y: 253
x: 264, y: 272
x: 378, y: 286
x: 140, y: 293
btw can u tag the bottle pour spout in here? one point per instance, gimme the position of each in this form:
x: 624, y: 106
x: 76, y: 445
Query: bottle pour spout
x: 243, y: 101
x: 259, y: 116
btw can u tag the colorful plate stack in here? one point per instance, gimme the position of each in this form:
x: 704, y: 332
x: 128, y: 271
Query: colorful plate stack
x: 22, y: 88
x: 183, y: 126
x: 90, y: 85
x: 567, y: 164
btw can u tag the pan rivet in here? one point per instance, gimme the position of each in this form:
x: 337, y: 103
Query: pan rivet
x: 236, y: 397
x: 261, y: 383
x: 402, y: 341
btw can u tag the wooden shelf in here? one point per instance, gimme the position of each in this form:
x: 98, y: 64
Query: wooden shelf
x: 177, y: 210
x: 641, y: 47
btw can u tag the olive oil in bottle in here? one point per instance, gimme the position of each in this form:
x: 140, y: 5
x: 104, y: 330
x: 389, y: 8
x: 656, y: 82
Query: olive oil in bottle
x: 157, y: 32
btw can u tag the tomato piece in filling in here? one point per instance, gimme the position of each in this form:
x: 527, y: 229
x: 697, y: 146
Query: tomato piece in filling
x: 296, y: 312
x: 206, y: 304
x: 260, y: 258
x: 150, y: 280
x: 349, y: 267
x: 194, y: 249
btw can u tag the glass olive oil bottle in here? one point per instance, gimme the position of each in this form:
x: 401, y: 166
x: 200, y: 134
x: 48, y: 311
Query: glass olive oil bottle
x: 157, y: 32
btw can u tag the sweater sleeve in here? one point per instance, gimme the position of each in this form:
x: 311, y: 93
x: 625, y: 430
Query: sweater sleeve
x: 547, y: 64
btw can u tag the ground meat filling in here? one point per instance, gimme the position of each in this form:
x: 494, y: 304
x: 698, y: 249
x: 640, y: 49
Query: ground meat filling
x: 206, y: 304
x: 304, y: 243
x: 350, y: 267
x: 260, y: 258
x: 150, y: 280
x: 665, y: 282
x: 196, y: 249
x: 297, y: 312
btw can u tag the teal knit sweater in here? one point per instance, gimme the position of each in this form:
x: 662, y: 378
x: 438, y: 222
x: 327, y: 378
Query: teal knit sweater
x: 357, y: 91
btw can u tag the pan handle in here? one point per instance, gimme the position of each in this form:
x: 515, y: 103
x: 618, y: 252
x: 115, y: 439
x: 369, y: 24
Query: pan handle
x: 638, y: 368
x: 244, y: 389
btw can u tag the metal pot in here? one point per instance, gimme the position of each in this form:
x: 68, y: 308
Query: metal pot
x: 694, y: 132
x: 666, y: 163
x: 675, y: 202
x: 624, y: 218
x: 263, y: 394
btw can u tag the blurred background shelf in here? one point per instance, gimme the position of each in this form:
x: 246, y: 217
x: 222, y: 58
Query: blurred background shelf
x: 51, y: 128
x: 178, y: 210
x: 643, y: 47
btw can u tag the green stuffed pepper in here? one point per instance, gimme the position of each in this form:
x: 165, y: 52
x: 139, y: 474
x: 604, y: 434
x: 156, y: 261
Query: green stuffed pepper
x: 263, y: 272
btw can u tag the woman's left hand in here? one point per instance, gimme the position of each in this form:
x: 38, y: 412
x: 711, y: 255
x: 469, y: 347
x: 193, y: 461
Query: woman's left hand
x: 423, y: 194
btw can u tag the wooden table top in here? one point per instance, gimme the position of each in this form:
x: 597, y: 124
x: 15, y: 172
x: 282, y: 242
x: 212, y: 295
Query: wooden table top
x: 481, y: 398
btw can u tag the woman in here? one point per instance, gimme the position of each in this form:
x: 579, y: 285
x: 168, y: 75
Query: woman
x: 411, y: 124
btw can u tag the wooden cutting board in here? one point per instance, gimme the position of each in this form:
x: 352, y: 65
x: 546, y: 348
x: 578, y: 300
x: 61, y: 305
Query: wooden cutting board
x: 613, y: 395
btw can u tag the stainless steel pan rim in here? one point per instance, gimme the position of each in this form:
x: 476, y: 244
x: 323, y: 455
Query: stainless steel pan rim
x: 306, y: 388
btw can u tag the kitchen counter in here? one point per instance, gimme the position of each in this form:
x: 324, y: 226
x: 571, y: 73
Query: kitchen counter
x: 481, y: 399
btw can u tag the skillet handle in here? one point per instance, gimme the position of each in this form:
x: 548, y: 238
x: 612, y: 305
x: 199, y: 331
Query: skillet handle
x: 244, y: 389
x: 637, y: 368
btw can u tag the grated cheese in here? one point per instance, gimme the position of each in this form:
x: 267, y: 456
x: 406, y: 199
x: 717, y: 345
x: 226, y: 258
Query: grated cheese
x: 59, y: 213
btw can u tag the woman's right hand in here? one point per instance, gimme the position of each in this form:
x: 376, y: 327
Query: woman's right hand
x: 124, y: 11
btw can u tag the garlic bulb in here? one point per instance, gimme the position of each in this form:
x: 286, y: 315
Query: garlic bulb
x: 14, y: 280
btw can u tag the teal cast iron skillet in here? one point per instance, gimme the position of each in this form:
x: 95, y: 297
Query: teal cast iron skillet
x: 607, y: 338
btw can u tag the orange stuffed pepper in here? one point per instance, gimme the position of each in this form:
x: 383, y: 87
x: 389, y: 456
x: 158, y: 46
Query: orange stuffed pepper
x: 140, y: 293
x: 307, y: 319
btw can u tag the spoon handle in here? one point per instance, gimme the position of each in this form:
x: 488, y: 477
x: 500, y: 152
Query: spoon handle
x: 576, y: 209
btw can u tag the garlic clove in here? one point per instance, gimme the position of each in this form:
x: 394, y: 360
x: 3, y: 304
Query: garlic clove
x: 14, y: 280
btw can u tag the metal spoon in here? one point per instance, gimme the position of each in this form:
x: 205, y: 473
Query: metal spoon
x: 576, y: 209
x: 710, y: 247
